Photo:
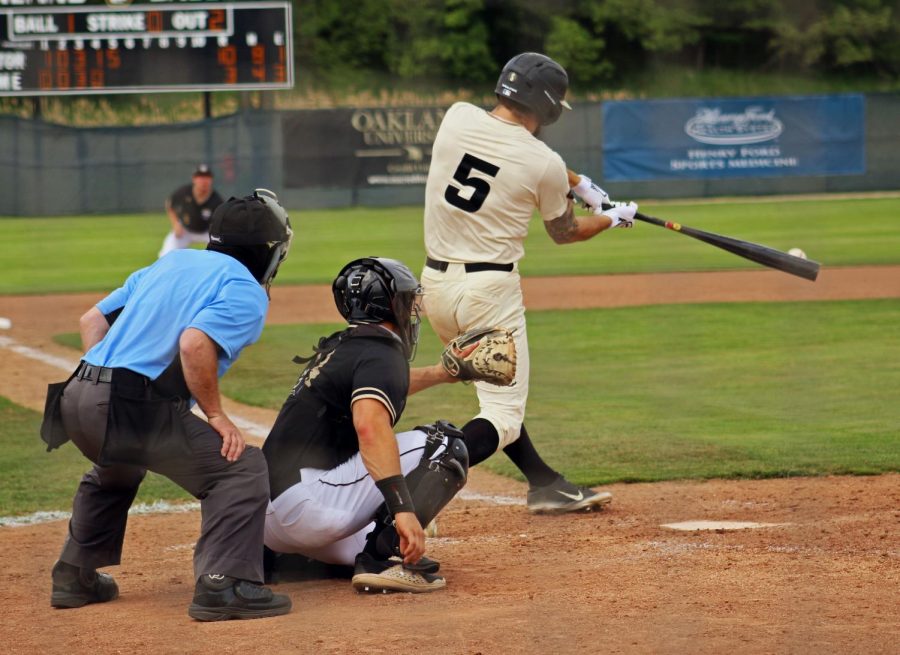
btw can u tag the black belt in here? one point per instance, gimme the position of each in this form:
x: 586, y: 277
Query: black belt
x: 474, y: 267
x: 94, y: 373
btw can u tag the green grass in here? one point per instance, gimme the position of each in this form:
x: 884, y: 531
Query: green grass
x: 646, y: 393
x: 97, y: 253
x: 662, y: 79
x: 633, y: 394
x: 654, y: 393
x: 32, y: 479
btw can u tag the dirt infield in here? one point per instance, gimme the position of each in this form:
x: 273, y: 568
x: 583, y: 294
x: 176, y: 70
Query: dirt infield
x: 824, y: 579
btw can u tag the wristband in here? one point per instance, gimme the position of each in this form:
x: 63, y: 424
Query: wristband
x: 396, y: 494
x: 583, y: 186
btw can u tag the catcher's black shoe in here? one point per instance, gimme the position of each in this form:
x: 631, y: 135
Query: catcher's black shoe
x: 271, y: 566
x: 562, y: 496
x: 386, y: 576
x: 77, y: 587
x: 219, y: 598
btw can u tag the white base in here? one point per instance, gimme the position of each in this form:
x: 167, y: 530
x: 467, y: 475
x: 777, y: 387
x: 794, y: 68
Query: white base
x: 719, y: 525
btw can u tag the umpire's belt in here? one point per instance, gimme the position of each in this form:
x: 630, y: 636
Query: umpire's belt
x: 94, y: 373
x: 473, y: 267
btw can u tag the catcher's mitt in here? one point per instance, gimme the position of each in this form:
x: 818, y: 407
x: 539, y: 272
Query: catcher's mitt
x: 483, y: 354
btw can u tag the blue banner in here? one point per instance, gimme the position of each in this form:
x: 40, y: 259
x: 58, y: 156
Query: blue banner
x: 733, y: 137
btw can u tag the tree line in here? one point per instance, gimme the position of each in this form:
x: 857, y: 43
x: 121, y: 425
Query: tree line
x: 598, y: 41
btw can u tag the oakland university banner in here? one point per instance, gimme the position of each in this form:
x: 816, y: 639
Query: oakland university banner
x: 348, y: 148
x: 733, y: 137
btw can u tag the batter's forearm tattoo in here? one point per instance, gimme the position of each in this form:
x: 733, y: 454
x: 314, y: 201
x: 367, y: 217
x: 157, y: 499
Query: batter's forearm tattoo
x: 563, y: 229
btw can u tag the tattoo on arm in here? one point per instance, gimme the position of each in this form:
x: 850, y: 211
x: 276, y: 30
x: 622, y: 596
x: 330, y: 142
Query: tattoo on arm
x: 563, y: 229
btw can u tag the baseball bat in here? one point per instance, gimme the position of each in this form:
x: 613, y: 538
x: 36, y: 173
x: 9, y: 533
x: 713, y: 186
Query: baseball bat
x: 782, y: 261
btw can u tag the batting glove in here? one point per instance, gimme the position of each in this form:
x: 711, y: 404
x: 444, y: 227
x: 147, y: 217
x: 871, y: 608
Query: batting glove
x: 591, y: 195
x: 621, y: 214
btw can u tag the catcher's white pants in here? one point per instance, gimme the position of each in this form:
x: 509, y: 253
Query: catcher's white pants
x: 171, y: 242
x: 328, y: 514
x: 456, y: 301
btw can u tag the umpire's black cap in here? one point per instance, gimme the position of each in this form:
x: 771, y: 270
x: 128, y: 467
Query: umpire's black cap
x: 202, y: 170
x: 257, y: 219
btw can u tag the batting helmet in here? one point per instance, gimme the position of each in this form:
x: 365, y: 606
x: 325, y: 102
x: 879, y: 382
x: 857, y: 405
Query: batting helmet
x: 376, y: 289
x: 255, y: 230
x: 537, y: 83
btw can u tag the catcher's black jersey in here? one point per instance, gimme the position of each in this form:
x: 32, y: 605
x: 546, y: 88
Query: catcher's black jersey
x: 195, y: 217
x: 314, y: 428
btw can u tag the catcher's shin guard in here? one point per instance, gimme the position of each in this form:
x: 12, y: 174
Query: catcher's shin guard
x: 437, y: 479
x: 433, y: 483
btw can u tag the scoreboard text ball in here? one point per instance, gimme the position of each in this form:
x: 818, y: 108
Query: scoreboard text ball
x: 52, y: 50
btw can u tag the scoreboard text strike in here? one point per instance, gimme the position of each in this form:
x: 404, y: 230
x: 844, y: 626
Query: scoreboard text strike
x: 145, y: 47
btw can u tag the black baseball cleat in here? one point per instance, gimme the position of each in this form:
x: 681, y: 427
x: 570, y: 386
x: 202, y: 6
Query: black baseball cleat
x: 271, y: 568
x: 220, y: 598
x: 76, y: 587
x: 562, y: 496
x: 374, y: 576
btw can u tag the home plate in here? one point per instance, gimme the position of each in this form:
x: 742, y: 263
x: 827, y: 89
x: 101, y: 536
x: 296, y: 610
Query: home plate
x: 719, y: 525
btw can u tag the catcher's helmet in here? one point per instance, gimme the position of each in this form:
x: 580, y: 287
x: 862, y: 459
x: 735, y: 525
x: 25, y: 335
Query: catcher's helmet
x: 537, y: 83
x: 254, y: 229
x: 376, y: 289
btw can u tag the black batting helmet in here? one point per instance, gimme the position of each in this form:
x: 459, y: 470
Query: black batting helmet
x: 376, y: 289
x: 537, y: 83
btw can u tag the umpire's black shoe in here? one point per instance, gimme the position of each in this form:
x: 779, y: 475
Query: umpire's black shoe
x: 219, y: 598
x: 77, y: 587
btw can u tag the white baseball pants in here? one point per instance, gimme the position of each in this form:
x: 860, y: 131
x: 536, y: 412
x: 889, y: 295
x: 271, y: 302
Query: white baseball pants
x: 456, y: 301
x: 171, y: 242
x: 328, y: 514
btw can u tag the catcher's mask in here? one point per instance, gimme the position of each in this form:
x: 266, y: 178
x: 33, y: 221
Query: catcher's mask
x: 255, y: 230
x: 537, y: 83
x: 376, y: 289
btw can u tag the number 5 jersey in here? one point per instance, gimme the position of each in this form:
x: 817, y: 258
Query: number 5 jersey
x: 487, y: 177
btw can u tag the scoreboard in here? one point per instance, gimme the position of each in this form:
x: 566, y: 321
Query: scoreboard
x: 124, y: 47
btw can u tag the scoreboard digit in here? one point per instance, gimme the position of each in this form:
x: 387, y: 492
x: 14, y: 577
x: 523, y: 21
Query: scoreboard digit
x: 128, y: 48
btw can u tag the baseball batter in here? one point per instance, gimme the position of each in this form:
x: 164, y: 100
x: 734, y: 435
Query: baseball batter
x: 189, y: 209
x: 488, y: 174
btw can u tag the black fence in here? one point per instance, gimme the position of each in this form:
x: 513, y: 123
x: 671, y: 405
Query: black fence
x: 336, y: 158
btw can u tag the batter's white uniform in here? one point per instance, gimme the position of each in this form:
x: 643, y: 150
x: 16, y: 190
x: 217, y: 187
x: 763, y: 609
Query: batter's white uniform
x: 487, y: 177
x: 328, y: 514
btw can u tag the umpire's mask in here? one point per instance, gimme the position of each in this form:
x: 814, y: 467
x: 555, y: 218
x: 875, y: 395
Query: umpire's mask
x: 255, y: 230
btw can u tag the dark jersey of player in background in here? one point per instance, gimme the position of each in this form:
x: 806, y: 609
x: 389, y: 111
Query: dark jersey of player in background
x: 314, y: 428
x: 194, y: 217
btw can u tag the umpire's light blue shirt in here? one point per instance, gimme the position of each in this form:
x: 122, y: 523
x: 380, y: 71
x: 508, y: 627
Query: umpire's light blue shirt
x: 200, y: 289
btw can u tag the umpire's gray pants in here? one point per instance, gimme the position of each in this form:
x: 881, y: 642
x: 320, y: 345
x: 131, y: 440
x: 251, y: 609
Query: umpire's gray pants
x: 233, y: 496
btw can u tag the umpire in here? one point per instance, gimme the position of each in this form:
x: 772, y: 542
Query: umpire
x: 152, y: 347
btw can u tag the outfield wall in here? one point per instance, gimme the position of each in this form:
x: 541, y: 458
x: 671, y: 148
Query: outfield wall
x: 343, y: 157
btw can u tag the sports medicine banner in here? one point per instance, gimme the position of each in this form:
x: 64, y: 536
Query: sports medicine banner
x: 734, y: 137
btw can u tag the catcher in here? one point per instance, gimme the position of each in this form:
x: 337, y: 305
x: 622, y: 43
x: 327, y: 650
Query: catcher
x: 344, y: 488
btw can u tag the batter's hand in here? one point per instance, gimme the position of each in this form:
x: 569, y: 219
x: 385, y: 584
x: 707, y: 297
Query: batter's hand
x: 178, y: 229
x: 412, y: 536
x: 621, y: 214
x: 233, y: 443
